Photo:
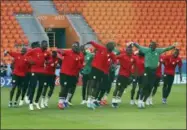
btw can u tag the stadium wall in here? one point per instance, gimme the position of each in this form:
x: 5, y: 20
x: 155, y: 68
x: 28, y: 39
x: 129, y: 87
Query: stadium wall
x: 60, y: 21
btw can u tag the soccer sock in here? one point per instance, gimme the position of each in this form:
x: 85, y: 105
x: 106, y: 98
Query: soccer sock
x: 68, y: 97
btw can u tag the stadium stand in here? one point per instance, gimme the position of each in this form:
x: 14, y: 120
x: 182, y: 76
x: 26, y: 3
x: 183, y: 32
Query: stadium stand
x: 139, y: 21
x: 11, y: 32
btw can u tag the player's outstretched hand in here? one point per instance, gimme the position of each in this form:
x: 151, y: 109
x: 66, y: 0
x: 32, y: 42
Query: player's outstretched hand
x: 5, y: 53
x: 175, y: 44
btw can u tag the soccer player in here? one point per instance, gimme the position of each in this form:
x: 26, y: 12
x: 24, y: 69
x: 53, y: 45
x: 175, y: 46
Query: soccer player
x: 100, y: 68
x: 37, y: 57
x: 50, y: 67
x: 88, y: 57
x: 20, y: 62
x: 149, y: 100
x: 72, y: 91
x: 71, y: 64
x: 126, y: 60
x: 170, y: 62
x: 152, y: 54
x: 139, y: 71
x: 26, y: 87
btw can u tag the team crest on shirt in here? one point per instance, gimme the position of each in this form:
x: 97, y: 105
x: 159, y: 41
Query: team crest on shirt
x: 88, y: 58
x: 145, y: 74
x: 164, y: 75
x: 94, y: 77
x: 173, y: 63
x: 25, y: 59
x: 108, y: 55
x: 65, y: 83
x: 119, y: 84
x: 177, y: 60
x: 45, y: 83
x: 32, y: 74
x: 52, y: 64
x: 13, y: 81
x: 45, y: 54
x: 132, y: 60
x: 109, y: 59
x: 18, y: 57
x: 156, y: 54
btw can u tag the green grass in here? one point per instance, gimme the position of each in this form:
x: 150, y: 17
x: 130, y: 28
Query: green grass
x: 158, y: 116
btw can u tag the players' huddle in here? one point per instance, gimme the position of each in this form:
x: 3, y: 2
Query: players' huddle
x: 97, y: 64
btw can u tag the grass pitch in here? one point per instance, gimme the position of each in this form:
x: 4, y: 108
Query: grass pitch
x: 158, y: 116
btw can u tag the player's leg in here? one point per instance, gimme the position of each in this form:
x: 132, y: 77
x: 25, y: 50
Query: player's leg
x: 170, y: 83
x: 140, y: 87
x: 63, y: 90
x: 47, y: 79
x: 42, y: 83
x: 151, y: 80
x: 134, y: 84
x: 24, y: 89
x: 94, y: 82
x: 28, y: 90
x: 164, y: 89
x: 116, y: 91
x: 12, y: 91
x: 51, y: 90
x: 145, y: 84
x: 20, y: 84
x: 110, y: 81
x: 33, y: 83
x: 84, y: 86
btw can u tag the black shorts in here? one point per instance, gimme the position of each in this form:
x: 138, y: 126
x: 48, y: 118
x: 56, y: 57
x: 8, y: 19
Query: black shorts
x: 96, y: 74
x: 67, y: 81
x: 50, y: 80
x: 17, y: 80
x: 157, y: 81
x: 122, y: 81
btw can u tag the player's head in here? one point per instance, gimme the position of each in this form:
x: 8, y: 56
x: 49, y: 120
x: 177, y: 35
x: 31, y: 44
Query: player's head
x: 153, y: 46
x: 129, y: 50
x: 110, y: 46
x: 82, y: 49
x: 176, y: 53
x: 35, y: 44
x: 44, y: 45
x: 54, y: 54
x: 23, y: 50
x: 76, y: 47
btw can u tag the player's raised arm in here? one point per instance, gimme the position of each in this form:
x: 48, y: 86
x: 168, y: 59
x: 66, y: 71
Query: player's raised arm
x: 141, y: 48
x: 162, y: 50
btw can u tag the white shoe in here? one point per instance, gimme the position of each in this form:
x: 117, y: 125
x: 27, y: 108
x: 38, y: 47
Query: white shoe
x: 88, y: 105
x: 118, y: 100
x: 151, y: 101
x: 143, y: 104
x: 37, y: 105
x: 83, y: 102
x: 69, y: 103
x: 21, y: 103
x: 46, y: 102
x: 132, y: 102
x: 31, y: 107
x: 42, y: 103
x: 26, y: 100
x: 147, y: 102
x: 139, y: 104
x: 136, y: 102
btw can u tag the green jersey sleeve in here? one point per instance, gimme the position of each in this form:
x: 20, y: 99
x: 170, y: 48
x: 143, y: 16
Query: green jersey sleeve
x: 162, y: 50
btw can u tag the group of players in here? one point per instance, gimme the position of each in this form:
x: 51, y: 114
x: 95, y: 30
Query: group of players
x: 97, y: 64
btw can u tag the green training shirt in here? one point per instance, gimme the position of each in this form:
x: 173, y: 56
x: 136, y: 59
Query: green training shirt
x: 88, y: 60
x: 152, y: 57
